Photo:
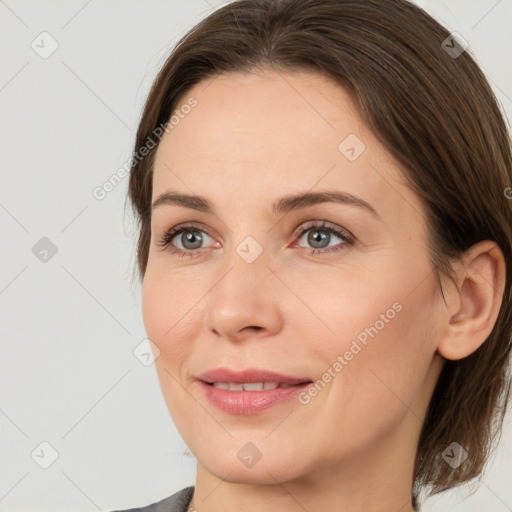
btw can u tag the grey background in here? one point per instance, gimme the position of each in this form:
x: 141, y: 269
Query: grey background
x: 69, y: 325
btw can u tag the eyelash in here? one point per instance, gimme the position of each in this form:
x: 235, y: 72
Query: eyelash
x: 348, y: 238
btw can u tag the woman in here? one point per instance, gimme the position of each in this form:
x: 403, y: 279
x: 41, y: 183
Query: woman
x: 325, y: 248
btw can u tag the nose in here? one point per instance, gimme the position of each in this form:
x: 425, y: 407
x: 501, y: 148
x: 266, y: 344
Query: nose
x: 244, y: 302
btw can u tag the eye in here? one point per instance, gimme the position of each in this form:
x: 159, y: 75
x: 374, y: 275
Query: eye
x: 320, y: 235
x: 190, y: 238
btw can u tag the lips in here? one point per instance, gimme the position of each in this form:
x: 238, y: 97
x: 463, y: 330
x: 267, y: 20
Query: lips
x: 248, y: 392
x: 228, y: 376
x: 251, y: 386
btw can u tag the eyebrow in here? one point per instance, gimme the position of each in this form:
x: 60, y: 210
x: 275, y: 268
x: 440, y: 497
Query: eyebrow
x: 283, y: 205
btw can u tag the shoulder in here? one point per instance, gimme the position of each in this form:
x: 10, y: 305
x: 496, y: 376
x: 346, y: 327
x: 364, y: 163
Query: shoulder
x: 178, y: 502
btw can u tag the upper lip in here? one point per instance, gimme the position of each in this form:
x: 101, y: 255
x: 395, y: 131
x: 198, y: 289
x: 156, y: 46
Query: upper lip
x: 249, y: 375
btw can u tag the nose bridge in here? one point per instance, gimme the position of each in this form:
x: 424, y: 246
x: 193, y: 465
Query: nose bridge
x: 240, y: 298
x: 246, y: 273
x: 246, y: 255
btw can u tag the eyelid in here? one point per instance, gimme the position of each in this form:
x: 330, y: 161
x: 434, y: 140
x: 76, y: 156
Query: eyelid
x: 327, y: 225
x: 170, y: 233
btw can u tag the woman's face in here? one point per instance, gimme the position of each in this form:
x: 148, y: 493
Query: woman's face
x: 337, y: 293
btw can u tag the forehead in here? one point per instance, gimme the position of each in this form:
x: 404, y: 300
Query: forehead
x: 261, y: 116
x: 266, y: 134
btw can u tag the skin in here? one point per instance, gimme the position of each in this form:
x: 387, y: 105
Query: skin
x: 251, y: 139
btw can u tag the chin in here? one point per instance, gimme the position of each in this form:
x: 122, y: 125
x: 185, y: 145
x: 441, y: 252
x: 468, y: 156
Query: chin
x: 235, y: 465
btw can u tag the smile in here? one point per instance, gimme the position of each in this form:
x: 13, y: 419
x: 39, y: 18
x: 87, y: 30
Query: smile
x: 250, y: 386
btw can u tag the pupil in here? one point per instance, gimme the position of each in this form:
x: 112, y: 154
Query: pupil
x: 190, y: 236
x: 313, y: 238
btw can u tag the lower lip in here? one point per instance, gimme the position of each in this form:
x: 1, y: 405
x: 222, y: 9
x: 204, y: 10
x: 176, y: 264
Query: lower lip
x: 250, y: 402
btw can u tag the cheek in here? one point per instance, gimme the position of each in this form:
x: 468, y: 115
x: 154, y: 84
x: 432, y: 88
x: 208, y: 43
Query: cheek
x: 387, y: 353
x: 381, y: 325
x: 350, y: 304
x: 164, y: 312
x: 162, y: 308
x: 153, y: 308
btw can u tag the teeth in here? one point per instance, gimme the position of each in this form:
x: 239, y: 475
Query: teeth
x: 221, y: 385
x: 249, y: 386
x: 252, y: 386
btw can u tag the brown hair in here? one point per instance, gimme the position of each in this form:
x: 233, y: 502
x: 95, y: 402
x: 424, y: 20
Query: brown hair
x: 435, y: 113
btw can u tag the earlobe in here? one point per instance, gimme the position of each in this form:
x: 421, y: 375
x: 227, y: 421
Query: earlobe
x: 474, y: 307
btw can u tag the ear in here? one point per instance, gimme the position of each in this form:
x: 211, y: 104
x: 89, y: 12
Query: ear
x: 474, y: 307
